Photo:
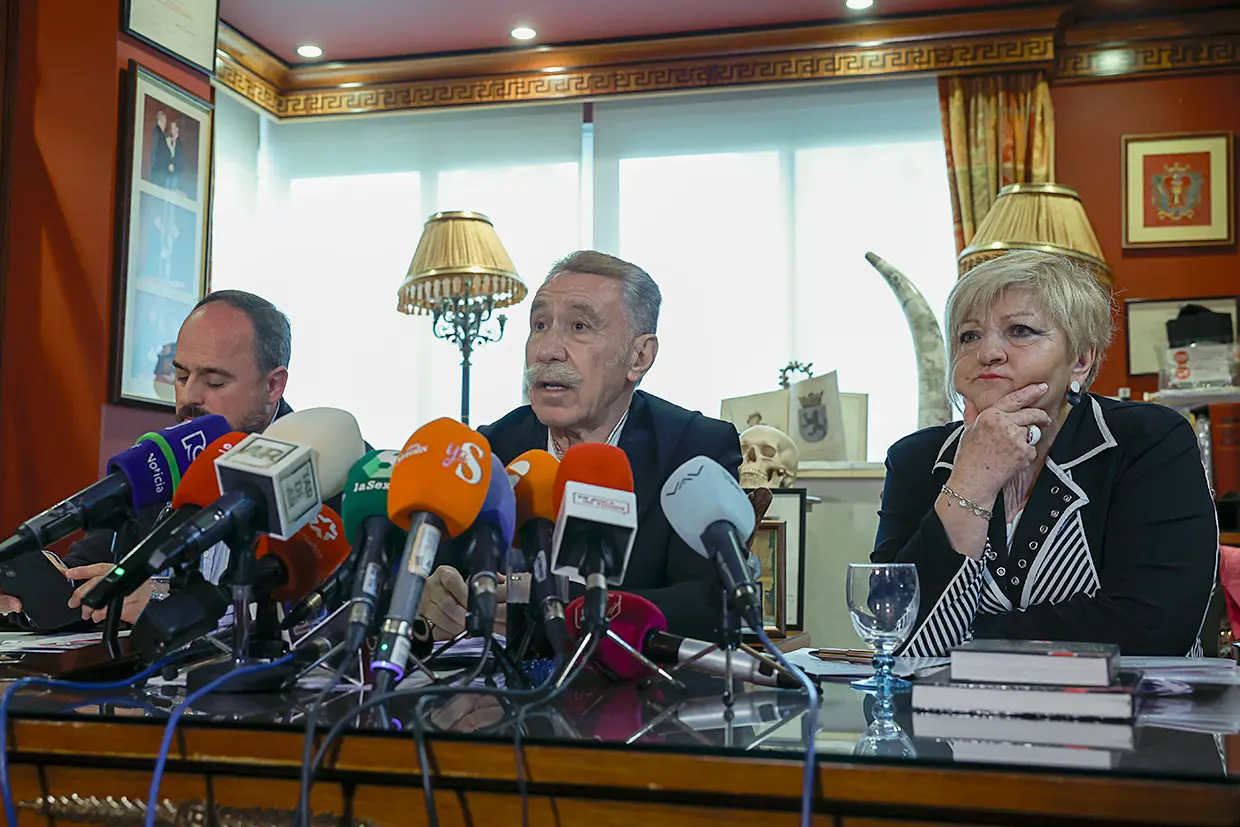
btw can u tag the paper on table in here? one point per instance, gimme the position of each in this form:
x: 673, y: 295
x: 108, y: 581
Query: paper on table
x: 14, y: 642
x: 1217, y: 715
x: 1171, y: 675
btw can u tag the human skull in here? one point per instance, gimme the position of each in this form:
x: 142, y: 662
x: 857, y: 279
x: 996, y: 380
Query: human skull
x: 768, y: 458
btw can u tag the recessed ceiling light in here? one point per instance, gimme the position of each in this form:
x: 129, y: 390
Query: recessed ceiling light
x: 858, y: 5
x: 554, y: 69
x: 310, y: 50
x: 524, y: 33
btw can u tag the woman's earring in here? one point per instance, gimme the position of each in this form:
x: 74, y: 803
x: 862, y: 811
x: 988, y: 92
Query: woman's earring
x: 1074, y: 393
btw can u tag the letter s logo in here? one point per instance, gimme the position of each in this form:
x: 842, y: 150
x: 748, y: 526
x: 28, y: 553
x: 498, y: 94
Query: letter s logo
x: 468, y: 466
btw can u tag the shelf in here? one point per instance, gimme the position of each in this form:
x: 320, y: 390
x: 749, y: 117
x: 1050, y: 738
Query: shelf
x: 1187, y: 400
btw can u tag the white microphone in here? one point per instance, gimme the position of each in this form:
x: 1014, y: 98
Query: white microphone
x: 674, y: 650
x: 710, y: 511
x: 758, y: 708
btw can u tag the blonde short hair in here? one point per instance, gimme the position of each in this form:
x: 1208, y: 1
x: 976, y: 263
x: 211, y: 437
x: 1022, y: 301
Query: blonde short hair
x: 1075, y: 302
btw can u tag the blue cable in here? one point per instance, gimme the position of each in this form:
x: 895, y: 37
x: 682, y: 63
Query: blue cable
x: 165, y: 746
x: 6, y: 790
x: 811, y: 746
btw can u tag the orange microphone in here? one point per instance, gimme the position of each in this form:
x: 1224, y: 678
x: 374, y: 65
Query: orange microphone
x: 533, y: 483
x: 288, y: 570
x: 438, y: 485
x: 198, y: 489
x: 596, y: 522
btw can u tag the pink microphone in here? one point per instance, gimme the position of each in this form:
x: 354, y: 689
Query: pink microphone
x: 631, y: 619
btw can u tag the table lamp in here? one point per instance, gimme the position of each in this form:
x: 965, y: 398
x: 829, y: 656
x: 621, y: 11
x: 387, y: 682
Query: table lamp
x: 460, y: 275
x: 1046, y: 217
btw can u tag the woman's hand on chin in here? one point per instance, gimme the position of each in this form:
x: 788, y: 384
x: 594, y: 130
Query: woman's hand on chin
x: 995, y: 444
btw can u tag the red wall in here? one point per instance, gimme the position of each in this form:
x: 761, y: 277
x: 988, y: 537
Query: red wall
x: 55, y: 423
x: 1090, y: 120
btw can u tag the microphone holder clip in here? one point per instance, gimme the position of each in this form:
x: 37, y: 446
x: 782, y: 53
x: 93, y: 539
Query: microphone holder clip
x: 358, y: 682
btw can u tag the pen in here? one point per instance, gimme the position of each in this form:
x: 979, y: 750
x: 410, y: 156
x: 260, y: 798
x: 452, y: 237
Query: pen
x: 850, y: 655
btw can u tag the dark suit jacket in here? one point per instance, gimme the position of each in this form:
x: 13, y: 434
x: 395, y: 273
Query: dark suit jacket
x: 1118, y: 541
x: 161, y: 157
x: 657, y: 437
x: 97, y: 546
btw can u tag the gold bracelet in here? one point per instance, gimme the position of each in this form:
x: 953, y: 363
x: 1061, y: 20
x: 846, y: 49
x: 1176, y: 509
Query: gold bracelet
x: 967, y: 504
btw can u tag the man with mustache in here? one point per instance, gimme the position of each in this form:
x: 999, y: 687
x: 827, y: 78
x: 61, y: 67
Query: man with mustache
x: 592, y: 339
x: 231, y: 359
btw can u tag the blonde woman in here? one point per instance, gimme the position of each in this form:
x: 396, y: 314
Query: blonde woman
x: 1049, y: 513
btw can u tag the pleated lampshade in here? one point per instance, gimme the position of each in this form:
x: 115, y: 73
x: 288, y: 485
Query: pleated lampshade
x: 459, y: 256
x: 1046, y: 217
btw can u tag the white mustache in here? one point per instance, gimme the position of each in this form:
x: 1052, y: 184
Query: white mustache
x: 557, y: 373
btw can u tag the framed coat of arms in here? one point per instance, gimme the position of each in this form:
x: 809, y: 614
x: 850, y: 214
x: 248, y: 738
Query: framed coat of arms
x: 1178, y: 190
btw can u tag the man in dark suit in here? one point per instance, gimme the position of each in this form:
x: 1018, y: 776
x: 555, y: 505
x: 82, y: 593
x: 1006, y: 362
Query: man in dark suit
x: 592, y: 339
x: 161, y: 152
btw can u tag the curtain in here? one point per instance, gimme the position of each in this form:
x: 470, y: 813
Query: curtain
x: 998, y: 130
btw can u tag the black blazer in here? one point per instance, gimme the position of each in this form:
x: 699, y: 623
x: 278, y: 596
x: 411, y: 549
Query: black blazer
x: 657, y: 437
x: 1118, y: 541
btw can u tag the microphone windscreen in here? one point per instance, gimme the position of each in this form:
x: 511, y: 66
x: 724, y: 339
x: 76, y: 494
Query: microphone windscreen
x: 500, y: 506
x: 309, y: 557
x: 332, y: 433
x: 444, y: 469
x: 632, y: 618
x: 533, y: 485
x: 701, y: 492
x: 366, y: 492
x: 155, y: 465
x: 200, y: 486
x: 594, y: 463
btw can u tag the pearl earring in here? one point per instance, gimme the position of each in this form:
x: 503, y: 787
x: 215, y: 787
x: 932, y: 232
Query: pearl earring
x: 1073, y: 395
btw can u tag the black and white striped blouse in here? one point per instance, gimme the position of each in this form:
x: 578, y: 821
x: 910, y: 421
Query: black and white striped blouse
x: 1118, y: 541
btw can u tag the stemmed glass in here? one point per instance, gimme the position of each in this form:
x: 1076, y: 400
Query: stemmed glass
x: 882, y: 601
x: 884, y: 738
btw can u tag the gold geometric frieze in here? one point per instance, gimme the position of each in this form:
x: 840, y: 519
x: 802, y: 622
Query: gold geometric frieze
x: 940, y: 57
x: 1102, y: 62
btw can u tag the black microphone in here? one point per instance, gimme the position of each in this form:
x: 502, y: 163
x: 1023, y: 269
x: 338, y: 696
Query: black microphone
x: 328, y: 597
x: 492, y: 536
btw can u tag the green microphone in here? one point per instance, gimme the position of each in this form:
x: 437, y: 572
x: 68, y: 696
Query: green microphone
x: 364, y: 512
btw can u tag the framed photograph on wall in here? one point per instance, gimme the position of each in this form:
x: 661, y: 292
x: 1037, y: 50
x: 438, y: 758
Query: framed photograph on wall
x: 1145, y: 326
x: 186, y: 29
x: 768, y: 550
x: 163, y: 233
x: 1178, y: 190
x: 788, y: 508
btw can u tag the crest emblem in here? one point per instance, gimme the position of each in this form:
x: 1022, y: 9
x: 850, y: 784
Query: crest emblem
x: 812, y: 418
x: 1176, y: 192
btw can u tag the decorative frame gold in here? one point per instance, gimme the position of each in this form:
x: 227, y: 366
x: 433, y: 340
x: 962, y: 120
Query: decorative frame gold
x: 1200, y: 42
x: 1220, y: 146
x: 774, y: 570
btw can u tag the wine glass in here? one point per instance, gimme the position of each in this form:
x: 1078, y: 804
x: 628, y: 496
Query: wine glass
x: 883, y: 599
x: 884, y: 738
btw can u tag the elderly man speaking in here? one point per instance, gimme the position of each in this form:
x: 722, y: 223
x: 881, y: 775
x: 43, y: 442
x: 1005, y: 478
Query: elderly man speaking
x: 592, y: 339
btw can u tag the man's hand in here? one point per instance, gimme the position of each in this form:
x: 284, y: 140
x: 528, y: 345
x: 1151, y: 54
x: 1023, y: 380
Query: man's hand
x: 444, y: 600
x: 130, y: 609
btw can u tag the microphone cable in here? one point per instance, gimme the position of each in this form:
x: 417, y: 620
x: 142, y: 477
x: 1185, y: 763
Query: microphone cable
x: 165, y: 746
x: 6, y: 789
x: 811, y: 712
x: 543, y: 692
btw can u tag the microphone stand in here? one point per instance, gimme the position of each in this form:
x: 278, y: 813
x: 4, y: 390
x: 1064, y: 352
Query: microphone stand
x: 123, y: 542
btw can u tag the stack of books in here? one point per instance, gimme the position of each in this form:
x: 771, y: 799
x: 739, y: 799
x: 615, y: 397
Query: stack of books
x: 1030, y: 702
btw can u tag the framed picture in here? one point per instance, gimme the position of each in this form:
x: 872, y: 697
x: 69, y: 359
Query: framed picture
x: 186, y: 29
x: 1178, y: 190
x: 1145, y: 324
x: 768, y: 550
x: 787, y: 509
x: 163, y: 228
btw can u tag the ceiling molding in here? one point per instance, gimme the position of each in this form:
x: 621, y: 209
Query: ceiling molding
x: 1207, y: 42
x: 942, y: 44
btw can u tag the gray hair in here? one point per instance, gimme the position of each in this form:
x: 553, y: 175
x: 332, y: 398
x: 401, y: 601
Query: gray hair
x: 273, y: 335
x: 1075, y: 302
x: 640, y: 295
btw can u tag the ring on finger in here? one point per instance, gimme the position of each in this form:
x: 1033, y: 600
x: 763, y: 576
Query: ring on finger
x: 1033, y: 435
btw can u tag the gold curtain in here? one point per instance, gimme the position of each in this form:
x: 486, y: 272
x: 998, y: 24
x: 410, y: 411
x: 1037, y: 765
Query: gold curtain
x: 999, y: 130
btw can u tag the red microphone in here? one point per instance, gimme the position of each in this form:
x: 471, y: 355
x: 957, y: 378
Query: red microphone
x: 290, y: 570
x: 596, y: 521
x: 632, y: 619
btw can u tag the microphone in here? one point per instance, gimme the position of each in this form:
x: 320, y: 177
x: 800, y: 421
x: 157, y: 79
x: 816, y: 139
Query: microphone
x: 438, y: 486
x: 761, y: 708
x: 533, y: 486
x: 198, y: 488
x: 140, y: 477
x: 492, y: 538
x: 641, y: 625
x: 367, y: 528
x: 712, y: 514
x: 596, y: 523
x: 288, y: 570
x: 268, y: 486
x: 632, y: 618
